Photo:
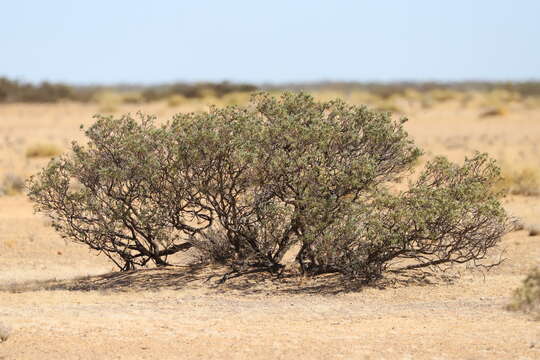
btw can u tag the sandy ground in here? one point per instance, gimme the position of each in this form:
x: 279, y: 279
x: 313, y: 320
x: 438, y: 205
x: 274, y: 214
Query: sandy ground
x: 63, y: 302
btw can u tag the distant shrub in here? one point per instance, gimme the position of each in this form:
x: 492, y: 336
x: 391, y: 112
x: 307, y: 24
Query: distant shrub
x: 495, y: 111
x: 196, y: 91
x: 236, y: 98
x: 525, y: 181
x: 14, y: 91
x: 501, y: 96
x: 532, y: 102
x: 176, y: 100
x: 12, y: 184
x: 152, y: 94
x: 108, y: 101
x: 442, y: 95
x: 132, y: 98
x: 244, y: 185
x: 388, y: 105
x: 527, y: 296
x: 43, y: 150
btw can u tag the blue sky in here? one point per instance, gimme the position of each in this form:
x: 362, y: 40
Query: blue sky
x: 120, y: 41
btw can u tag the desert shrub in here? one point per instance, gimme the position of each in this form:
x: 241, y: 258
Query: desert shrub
x: 108, y: 101
x: 43, y: 150
x: 494, y: 111
x: 245, y: 185
x: 12, y: 184
x: 442, y: 95
x: 14, y: 91
x: 119, y: 195
x: 176, y: 100
x: 132, y: 98
x: 293, y: 172
x: 196, y: 91
x: 236, y: 98
x: 449, y: 215
x: 388, y: 105
x: 525, y: 181
x: 527, y: 296
x: 212, y: 246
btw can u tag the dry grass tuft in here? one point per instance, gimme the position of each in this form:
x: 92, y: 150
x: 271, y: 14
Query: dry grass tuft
x: 108, y: 101
x: 176, y: 100
x: 43, y: 150
x: 521, y: 182
x: 12, y: 184
x: 527, y: 297
x: 443, y: 95
x: 388, y: 105
x: 132, y: 98
x: 236, y: 98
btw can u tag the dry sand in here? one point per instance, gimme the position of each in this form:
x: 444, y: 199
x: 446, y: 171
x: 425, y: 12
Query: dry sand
x: 63, y: 302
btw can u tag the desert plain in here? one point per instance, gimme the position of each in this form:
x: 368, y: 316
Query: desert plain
x: 62, y: 301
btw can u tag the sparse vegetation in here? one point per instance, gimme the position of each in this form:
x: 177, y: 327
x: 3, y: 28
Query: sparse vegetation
x: 43, y: 150
x: 196, y: 91
x: 496, y: 111
x: 525, y: 181
x: 527, y: 296
x: 12, y: 184
x: 108, y: 101
x: 245, y: 185
x: 176, y: 100
x: 14, y: 91
x: 388, y: 105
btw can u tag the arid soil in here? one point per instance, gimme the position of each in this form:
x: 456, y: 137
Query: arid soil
x: 62, y: 301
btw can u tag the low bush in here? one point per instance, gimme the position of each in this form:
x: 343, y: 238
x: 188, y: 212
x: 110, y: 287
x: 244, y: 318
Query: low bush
x: 245, y: 185
x: 525, y: 181
x: 12, y: 184
x: 527, y: 296
x: 123, y: 194
x: 176, y: 100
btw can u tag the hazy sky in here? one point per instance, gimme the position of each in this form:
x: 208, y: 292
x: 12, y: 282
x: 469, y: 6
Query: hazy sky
x: 269, y: 41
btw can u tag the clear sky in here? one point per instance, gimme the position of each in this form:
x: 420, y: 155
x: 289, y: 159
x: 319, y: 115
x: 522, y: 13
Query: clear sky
x: 141, y: 41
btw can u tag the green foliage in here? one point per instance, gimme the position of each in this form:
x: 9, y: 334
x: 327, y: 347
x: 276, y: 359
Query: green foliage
x: 114, y: 195
x: 245, y: 185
